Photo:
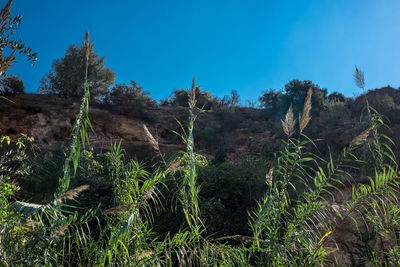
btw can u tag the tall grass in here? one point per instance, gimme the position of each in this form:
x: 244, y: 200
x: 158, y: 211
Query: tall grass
x: 189, y: 190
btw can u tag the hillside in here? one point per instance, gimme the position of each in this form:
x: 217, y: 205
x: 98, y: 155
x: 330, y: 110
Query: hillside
x: 241, y: 132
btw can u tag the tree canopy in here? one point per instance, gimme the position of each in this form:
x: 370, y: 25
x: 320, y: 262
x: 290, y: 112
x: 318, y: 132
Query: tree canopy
x: 66, y: 78
x: 295, y: 92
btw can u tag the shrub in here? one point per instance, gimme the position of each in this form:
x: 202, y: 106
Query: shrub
x: 12, y: 85
x: 125, y: 94
x: 180, y: 97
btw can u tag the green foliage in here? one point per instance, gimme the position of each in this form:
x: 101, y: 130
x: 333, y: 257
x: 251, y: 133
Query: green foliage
x: 188, y: 189
x: 67, y: 76
x: 13, y: 165
x: 296, y: 92
x: 273, y: 102
x: 80, y: 127
x: 385, y: 101
x: 228, y: 192
x: 207, y: 134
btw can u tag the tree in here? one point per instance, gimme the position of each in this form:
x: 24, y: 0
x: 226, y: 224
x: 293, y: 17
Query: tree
x: 12, y: 84
x: 273, y: 102
x: 294, y: 94
x: 130, y: 92
x: 66, y: 78
x: 8, y: 45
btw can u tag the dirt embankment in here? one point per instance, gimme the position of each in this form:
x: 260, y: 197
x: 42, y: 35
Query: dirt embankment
x: 240, y: 132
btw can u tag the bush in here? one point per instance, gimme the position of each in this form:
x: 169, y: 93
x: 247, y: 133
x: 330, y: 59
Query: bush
x: 180, y: 98
x: 12, y: 85
x: 122, y: 94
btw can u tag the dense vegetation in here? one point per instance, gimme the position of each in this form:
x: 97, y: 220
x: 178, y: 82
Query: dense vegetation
x: 275, y: 209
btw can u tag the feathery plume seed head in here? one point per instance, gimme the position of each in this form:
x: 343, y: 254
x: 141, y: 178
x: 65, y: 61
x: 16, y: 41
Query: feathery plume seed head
x: 87, y: 46
x: 73, y: 193
x: 289, y: 122
x: 269, y: 177
x: 60, y: 231
x: 192, y: 95
x: 31, y: 223
x: 153, y: 142
x: 143, y: 255
x: 148, y: 194
x: 87, y: 37
x: 360, y: 139
x: 305, y: 115
x: 174, y: 165
x: 359, y: 78
x: 119, y: 209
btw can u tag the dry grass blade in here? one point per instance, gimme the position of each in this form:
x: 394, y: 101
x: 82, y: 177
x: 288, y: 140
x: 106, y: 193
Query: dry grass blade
x: 60, y: 231
x: 119, y: 209
x: 359, y: 78
x: 269, y: 177
x: 73, y: 193
x: 153, y: 142
x: 289, y: 122
x: 192, y: 96
x: 5, y: 64
x: 360, y: 139
x: 305, y: 116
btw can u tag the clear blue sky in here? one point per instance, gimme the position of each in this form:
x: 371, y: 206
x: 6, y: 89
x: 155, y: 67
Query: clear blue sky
x: 249, y: 46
